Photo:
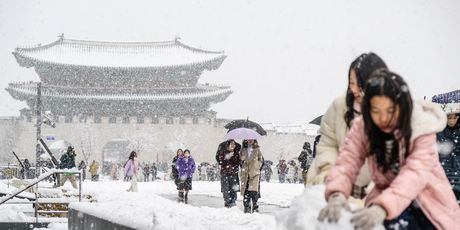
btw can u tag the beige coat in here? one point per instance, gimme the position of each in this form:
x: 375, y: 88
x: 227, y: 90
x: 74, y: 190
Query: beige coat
x: 93, y: 168
x: 250, y: 169
x: 333, y: 131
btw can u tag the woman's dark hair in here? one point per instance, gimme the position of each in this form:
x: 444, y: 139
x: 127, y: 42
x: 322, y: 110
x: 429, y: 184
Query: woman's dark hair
x: 457, y: 124
x: 186, y: 150
x: 132, y: 155
x: 255, y: 145
x: 177, y: 151
x: 363, y: 66
x: 386, y: 83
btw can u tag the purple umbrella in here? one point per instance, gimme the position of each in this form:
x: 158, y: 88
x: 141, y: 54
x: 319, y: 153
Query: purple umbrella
x: 242, y: 134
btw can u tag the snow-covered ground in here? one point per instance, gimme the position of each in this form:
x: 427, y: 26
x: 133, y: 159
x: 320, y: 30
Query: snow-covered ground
x: 151, y: 209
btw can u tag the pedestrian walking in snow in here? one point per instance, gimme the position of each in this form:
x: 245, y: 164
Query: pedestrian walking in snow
x: 251, y: 166
x: 174, y: 172
x: 267, y: 172
x: 337, y: 121
x: 228, y: 157
x: 305, y: 158
x: 68, y: 162
x: 131, y: 170
x: 146, y: 172
x: 25, y: 172
x: 282, y: 170
x: 186, y: 167
x: 93, y: 169
x: 291, y: 175
x: 82, y: 168
x: 153, y: 171
x: 449, y: 151
x: 398, y: 138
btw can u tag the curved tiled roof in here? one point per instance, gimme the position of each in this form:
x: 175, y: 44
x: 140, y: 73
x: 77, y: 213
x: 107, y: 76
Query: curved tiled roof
x: 30, y: 90
x: 118, y: 54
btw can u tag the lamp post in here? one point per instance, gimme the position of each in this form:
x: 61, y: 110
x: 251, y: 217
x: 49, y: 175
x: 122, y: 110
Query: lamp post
x: 38, y: 113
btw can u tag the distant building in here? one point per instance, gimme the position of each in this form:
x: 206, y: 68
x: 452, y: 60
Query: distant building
x: 145, y: 81
x: 109, y: 98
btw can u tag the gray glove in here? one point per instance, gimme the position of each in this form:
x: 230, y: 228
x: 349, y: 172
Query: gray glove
x: 367, y: 218
x: 336, y: 203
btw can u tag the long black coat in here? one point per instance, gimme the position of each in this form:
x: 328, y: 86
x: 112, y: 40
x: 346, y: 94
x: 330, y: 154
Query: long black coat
x: 228, y: 165
x: 305, y: 158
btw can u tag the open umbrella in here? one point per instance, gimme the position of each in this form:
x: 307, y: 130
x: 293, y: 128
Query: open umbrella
x: 242, y: 134
x: 316, y: 121
x: 245, y: 124
x: 449, y: 102
x: 445, y: 98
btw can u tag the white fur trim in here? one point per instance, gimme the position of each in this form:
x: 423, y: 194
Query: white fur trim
x: 427, y: 118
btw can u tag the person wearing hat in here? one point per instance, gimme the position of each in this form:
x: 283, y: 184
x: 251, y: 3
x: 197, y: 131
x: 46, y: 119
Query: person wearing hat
x: 449, y: 150
x: 68, y: 162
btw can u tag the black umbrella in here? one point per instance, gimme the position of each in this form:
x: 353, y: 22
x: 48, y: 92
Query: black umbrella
x: 316, y: 121
x: 245, y: 124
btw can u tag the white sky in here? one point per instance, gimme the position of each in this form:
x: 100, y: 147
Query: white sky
x: 286, y: 60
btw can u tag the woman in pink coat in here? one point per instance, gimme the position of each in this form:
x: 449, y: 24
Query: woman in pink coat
x: 398, y: 137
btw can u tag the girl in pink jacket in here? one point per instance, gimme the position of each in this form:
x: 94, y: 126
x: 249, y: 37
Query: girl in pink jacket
x: 398, y: 137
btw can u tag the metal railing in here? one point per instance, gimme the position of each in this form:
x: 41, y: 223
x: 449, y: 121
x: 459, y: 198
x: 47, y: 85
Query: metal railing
x: 39, y: 179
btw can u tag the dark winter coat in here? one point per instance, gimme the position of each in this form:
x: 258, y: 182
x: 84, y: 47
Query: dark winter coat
x: 282, y: 167
x: 305, y: 158
x: 67, y: 161
x: 26, y: 164
x: 229, y: 165
x: 267, y: 170
x: 174, y: 172
x: 315, y: 143
x: 82, y: 165
x: 185, y: 166
x: 449, y: 154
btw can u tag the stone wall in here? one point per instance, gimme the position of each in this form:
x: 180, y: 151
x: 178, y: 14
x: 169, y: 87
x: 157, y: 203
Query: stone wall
x: 153, y: 141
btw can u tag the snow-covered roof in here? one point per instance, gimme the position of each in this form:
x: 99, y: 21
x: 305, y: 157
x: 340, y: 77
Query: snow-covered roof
x: 30, y: 90
x: 118, y: 54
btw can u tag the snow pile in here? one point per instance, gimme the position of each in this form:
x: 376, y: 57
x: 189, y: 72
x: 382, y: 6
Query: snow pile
x: 12, y: 215
x: 150, y: 211
x: 304, y: 210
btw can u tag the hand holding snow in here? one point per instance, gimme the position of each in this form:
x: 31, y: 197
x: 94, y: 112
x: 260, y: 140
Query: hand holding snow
x: 333, y: 209
x: 367, y: 218
x: 303, y: 213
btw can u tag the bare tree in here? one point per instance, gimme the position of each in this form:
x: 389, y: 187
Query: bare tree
x: 87, y: 141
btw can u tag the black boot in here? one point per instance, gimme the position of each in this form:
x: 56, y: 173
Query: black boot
x: 255, y: 208
x: 247, y: 209
x: 181, y: 196
x: 186, y: 197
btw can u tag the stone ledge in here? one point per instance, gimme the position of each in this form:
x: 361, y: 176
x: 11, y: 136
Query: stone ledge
x: 79, y: 220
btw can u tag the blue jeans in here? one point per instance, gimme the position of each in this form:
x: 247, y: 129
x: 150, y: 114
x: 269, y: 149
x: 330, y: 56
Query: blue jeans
x: 412, y: 218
